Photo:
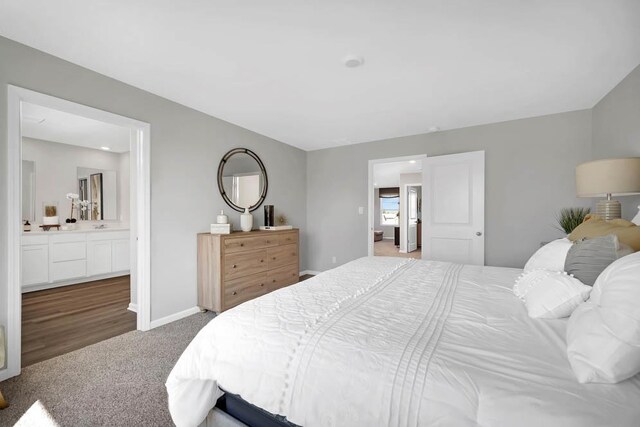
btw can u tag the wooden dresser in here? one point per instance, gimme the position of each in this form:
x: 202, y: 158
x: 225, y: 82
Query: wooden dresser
x: 234, y: 268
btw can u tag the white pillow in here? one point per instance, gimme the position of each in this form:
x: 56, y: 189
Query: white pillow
x: 549, y: 257
x: 603, y: 335
x: 550, y: 294
x: 636, y: 219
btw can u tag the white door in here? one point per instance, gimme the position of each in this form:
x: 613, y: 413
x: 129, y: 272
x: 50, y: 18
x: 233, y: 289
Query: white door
x: 99, y: 257
x: 120, y: 255
x: 453, y: 208
x: 35, y: 264
x: 412, y: 219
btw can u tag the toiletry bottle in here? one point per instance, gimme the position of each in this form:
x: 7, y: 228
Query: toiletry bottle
x: 27, y: 226
x: 222, y: 218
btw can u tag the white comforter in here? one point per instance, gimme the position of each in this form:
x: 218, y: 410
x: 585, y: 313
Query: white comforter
x: 395, y: 342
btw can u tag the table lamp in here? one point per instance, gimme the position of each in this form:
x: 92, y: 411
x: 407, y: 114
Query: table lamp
x: 607, y: 178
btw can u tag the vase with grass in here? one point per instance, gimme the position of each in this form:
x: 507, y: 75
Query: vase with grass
x: 569, y: 218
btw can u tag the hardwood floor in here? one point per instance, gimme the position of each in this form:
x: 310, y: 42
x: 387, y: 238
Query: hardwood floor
x: 57, y: 321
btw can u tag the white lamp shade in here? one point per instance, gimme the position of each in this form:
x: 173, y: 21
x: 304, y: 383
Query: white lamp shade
x: 617, y: 177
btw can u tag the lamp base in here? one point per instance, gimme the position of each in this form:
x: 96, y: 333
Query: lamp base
x: 609, y: 209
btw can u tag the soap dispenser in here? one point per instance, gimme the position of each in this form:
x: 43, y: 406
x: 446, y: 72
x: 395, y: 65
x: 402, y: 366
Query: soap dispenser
x: 222, y: 218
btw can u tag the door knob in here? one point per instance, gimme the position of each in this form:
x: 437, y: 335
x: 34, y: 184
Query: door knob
x: 478, y: 233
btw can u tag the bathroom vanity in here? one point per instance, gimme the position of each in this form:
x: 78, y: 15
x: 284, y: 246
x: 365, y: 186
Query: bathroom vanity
x: 58, y: 258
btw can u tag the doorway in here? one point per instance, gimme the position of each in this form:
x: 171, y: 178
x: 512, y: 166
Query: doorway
x: 451, y: 206
x: 74, y: 253
x: 395, y: 189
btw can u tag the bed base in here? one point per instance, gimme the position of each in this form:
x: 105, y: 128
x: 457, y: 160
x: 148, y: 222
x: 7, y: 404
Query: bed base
x: 243, y: 411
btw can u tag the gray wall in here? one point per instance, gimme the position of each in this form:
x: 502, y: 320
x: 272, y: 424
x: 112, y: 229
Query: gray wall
x: 616, y: 129
x: 530, y: 176
x: 186, y: 147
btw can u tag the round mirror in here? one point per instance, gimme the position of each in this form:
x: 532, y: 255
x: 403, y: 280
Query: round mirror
x: 242, y: 179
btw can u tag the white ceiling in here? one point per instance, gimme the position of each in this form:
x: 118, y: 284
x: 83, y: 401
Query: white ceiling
x: 388, y: 174
x: 275, y: 67
x: 53, y: 125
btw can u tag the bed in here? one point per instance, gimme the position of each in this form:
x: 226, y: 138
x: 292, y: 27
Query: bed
x: 394, y: 342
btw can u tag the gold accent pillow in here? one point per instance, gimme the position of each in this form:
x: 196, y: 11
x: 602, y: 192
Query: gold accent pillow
x: 594, y: 226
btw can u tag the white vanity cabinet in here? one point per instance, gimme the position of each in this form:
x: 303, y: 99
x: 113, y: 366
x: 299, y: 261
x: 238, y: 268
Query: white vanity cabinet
x: 108, y: 252
x: 35, y: 260
x: 54, y: 259
x: 68, y: 256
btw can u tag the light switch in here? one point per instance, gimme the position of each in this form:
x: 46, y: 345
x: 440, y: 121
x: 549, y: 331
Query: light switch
x: 361, y: 210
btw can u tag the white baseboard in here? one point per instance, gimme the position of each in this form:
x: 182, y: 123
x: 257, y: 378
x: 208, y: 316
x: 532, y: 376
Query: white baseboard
x: 388, y: 238
x: 78, y: 281
x: 312, y: 272
x: 133, y: 307
x: 4, y: 374
x: 173, y: 317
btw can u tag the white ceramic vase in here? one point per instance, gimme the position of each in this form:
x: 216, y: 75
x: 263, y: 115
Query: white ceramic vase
x: 222, y: 218
x: 246, y: 220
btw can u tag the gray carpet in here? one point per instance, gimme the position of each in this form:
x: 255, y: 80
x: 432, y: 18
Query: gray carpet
x: 118, y: 382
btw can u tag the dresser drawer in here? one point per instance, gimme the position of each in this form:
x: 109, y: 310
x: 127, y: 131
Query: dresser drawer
x: 243, y: 244
x: 244, y: 263
x: 282, y: 255
x: 243, y: 289
x: 283, y: 276
x: 288, y: 239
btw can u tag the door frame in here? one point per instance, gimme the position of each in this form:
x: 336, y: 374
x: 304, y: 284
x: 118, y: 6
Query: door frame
x: 140, y: 224
x: 371, y: 192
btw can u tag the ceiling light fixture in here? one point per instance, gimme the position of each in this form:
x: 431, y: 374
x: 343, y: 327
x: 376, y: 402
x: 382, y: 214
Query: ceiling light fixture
x: 353, y: 61
x: 105, y: 148
x: 412, y: 161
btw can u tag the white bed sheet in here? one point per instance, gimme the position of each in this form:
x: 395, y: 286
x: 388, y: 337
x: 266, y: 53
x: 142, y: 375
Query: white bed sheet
x: 395, y: 342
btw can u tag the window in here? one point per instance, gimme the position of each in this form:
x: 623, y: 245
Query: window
x: 389, y: 210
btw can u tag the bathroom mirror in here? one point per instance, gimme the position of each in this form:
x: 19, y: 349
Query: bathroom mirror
x: 97, y: 188
x: 242, y: 179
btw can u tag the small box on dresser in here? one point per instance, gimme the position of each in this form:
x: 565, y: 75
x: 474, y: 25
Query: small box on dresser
x: 234, y: 268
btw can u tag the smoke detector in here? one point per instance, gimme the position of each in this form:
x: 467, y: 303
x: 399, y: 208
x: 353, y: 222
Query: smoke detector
x: 353, y: 61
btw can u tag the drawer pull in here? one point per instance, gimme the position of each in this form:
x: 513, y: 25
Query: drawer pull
x: 274, y: 258
x: 274, y: 280
x: 261, y: 260
x: 268, y: 242
x: 241, y: 244
x: 261, y: 284
x: 293, y: 254
x: 234, y: 266
x: 235, y: 293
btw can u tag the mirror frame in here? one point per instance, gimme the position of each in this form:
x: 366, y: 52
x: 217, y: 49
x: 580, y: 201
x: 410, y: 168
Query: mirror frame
x: 224, y: 194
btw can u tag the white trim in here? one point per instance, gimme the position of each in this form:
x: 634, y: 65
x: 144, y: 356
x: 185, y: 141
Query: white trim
x: 173, y: 317
x: 133, y: 307
x: 140, y: 149
x: 313, y: 272
x: 387, y: 238
x: 371, y: 192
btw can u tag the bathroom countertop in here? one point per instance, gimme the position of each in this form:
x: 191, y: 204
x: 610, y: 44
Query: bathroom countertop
x: 38, y: 230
